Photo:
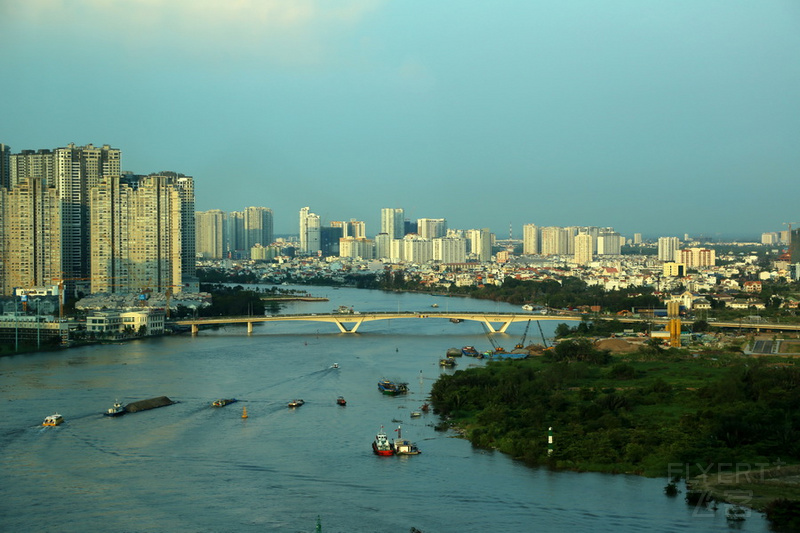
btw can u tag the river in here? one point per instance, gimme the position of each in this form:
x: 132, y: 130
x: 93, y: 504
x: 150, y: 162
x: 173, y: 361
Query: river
x: 190, y: 467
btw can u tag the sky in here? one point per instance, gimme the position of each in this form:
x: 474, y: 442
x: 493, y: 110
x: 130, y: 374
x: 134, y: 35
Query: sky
x: 657, y: 117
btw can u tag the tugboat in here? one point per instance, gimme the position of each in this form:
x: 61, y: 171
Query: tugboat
x: 53, y: 420
x: 117, y: 410
x: 341, y: 401
x: 402, y: 446
x: 381, y: 444
x: 296, y: 403
x: 222, y: 402
x: 392, y: 388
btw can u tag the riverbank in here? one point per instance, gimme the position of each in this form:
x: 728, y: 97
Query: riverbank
x: 752, y: 486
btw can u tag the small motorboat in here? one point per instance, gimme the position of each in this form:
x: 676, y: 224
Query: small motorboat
x: 116, y: 410
x: 381, y: 445
x: 53, y: 420
x: 415, y: 414
x: 296, y: 403
x: 335, y: 365
x: 222, y: 402
x: 341, y: 401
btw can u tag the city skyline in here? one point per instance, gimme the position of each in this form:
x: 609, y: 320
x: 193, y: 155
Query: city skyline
x: 658, y: 119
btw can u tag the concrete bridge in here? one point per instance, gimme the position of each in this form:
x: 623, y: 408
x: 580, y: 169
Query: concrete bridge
x: 350, y: 322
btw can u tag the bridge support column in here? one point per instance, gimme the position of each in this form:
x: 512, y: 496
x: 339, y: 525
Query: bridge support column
x: 505, y: 327
x: 249, y: 328
x: 489, y: 326
x: 194, y: 329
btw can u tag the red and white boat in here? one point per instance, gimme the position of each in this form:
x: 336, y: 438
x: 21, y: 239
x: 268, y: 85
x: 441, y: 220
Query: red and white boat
x: 381, y: 444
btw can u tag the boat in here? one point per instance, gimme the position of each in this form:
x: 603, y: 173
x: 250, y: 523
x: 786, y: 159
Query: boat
x: 335, y: 365
x: 448, y: 362
x: 381, y: 445
x: 434, y: 305
x: 296, y: 403
x: 527, y: 307
x: 390, y: 387
x: 402, y: 446
x: 341, y: 401
x: 415, y: 414
x: 145, y: 405
x: 454, y: 352
x: 469, y: 351
x: 425, y: 407
x: 53, y: 420
x: 116, y: 410
x: 222, y: 402
x: 456, y: 320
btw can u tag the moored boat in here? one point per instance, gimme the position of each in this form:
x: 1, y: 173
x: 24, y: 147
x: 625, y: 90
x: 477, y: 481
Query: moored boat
x: 425, y: 407
x: 53, y: 420
x: 296, y: 403
x: 447, y: 362
x: 469, y: 351
x: 403, y: 446
x: 390, y: 387
x: 381, y: 445
x: 222, y: 402
x: 454, y: 352
x: 116, y: 410
x: 341, y: 401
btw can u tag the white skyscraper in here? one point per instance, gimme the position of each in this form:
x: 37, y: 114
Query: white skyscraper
x: 668, y: 248
x: 583, y: 249
x: 392, y: 222
x: 530, y: 239
x: 309, y: 232
x: 431, y: 228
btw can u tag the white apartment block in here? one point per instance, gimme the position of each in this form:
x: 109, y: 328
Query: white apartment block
x: 697, y: 257
x: 309, y: 232
x: 609, y: 243
x: 554, y: 241
x: 431, y: 228
x: 769, y: 238
x: 210, y: 233
x: 356, y: 248
x: 417, y: 249
x: 450, y: 250
x: 530, y: 239
x: 668, y: 248
x: 393, y: 222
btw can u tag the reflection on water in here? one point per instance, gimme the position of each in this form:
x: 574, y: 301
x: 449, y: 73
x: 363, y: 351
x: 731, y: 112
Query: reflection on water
x: 191, y: 467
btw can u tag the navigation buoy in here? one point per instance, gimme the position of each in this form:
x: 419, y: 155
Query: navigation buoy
x: 244, y: 412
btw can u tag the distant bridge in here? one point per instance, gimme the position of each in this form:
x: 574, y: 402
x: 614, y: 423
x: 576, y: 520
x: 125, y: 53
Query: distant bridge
x: 350, y: 322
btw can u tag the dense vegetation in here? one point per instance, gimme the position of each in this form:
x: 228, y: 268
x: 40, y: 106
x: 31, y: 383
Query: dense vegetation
x: 639, y: 415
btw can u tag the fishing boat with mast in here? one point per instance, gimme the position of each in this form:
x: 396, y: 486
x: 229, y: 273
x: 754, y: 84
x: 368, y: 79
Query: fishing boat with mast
x: 403, y: 446
x: 391, y: 388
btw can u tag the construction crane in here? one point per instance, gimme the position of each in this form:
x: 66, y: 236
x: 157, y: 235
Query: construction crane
x: 521, y: 343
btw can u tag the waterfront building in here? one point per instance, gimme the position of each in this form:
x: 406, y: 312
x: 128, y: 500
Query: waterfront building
x: 450, y: 250
x: 392, y: 222
x: 668, y: 248
x: 30, y: 236
x: 309, y: 232
x: 210, y: 231
x: 431, y: 228
x: 530, y: 239
x: 137, y: 234
x: 583, y: 249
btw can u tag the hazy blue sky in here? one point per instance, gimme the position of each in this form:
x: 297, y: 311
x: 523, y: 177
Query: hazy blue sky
x: 660, y: 117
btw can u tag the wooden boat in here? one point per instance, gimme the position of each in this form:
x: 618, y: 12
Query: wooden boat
x: 402, y: 446
x: 341, y: 401
x: 53, y: 420
x: 392, y: 388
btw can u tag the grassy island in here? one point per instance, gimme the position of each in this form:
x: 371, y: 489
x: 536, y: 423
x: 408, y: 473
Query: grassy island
x: 655, y: 413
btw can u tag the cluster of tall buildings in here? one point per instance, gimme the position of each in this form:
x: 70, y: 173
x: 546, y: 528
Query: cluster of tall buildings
x: 427, y: 239
x: 71, y: 217
x: 582, y: 242
x: 246, y: 234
